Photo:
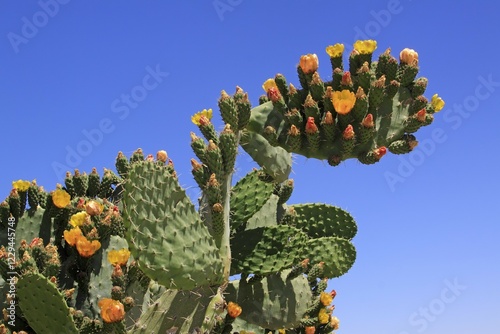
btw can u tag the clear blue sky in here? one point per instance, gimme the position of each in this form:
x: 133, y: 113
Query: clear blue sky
x: 428, y: 222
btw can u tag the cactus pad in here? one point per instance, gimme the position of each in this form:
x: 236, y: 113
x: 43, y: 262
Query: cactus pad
x: 44, y: 306
x: 165, y: 234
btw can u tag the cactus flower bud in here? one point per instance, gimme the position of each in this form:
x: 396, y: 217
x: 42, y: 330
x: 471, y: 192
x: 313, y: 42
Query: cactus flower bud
x: 206, y: 113
x: 421, y: 115
x: 334, y: 323
x: 60, y: 198
x: 294, y: 131
x: 437, y: 103
x: 311, y: 127
x: 380, y: 152
x: 162, y: 156
x: 233, y: 309
x: 368, y: 121
x: 366, y: 46
x: 309, y: 63
x: 94, y: 208
x: 343, y: 101
x: 346, y: 79
x: 273, y: 94
x: 111, y: 310
x: 329, y: 118
x: 335, y: 50
x: 348, y: 132
x: 310, y: 330
x: 408, y: 57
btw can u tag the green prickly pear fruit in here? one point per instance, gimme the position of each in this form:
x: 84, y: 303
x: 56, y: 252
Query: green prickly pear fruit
x: 122, y: 165
x: 404, y: 145
x: 312, y: 134
x: 33, y: 194
x: 213, y: 155
x: 373, y: 156
x: 228, y: 110
x: 70, y: 184
x: 81, y: 182
x: 137, y: 156
x: 94, y: 183
x: 199, y: 147
x: 200, y: 173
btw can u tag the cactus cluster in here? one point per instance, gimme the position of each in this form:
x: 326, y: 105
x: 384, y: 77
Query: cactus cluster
x: 129, y: 252
x: 366, y: 109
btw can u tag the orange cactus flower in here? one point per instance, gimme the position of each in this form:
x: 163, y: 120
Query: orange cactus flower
x: 60, y: 198
x: 118, y: 257
x: 111, y: 310
x: 310, y: 330
x: 94, y: 208
x: 309, y: 63
x: 87, y: 248
x: 409, y: 57
x: 343, y: 101
x: 72, y: 236
x: 233, y: 309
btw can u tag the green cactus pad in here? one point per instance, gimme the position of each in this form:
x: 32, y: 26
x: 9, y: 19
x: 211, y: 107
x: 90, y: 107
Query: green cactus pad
x: 275, y: 161
x: 165, y: 234
x: 248, y: 197
x: 319, y: 220
x: 274, y: 302
x: 337, y: 254
x: 44, y: 306
x: 266, y: 216
x: 175, y: 312
x: 34, y: 223
x: 266, y: 250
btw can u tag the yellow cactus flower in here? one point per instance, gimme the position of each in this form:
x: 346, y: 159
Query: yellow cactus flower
x: 268, y: 84
x: 309, y: 63
x: 323, y: 316
x: 118, y: 257
x: 60, y: 198
x: 72, y: 236
x: 233, y: 309
x: 325, y: 298
x: 408, y: 56
x: 78, y: 219
x: 437, y: 103
x: 94, y: 208
x: 343, y: 101
x: 196, y: 117
x: 335, y: 50
x: 87, y: 248
x: 366, y: 46
x: 111, y: 310
x: 21, y: 185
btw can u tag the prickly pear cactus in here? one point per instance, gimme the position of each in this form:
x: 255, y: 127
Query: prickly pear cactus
x: 128, y: 252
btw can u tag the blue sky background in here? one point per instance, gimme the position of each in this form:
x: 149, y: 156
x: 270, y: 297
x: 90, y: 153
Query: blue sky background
x: 427, y: 220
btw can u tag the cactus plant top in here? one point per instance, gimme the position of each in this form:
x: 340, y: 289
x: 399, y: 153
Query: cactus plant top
x: 128, y: 252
